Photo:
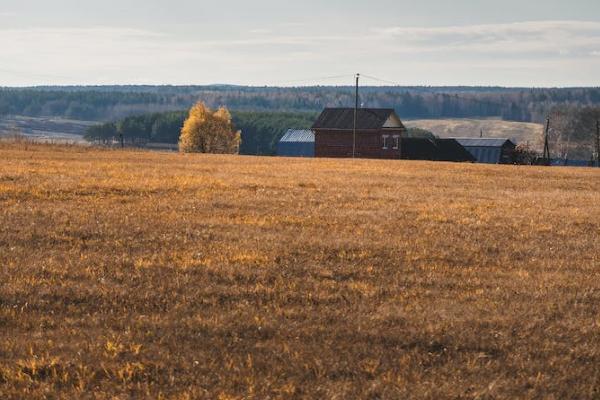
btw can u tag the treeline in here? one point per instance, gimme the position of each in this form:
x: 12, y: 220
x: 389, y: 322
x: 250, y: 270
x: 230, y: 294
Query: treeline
x: 260, y: 130
x: 114, y: 102
x: 84, y: 105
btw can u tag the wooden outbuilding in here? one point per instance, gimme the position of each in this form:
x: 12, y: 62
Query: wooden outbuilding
x: 489, y: 150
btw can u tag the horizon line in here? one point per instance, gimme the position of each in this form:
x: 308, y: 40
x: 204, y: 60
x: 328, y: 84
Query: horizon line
x: 149, y: 85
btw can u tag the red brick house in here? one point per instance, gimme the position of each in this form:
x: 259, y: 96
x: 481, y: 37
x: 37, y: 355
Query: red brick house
x: 379, y: 133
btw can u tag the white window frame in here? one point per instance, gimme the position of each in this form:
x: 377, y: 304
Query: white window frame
x: 396, y: 142
x: 385, y: 138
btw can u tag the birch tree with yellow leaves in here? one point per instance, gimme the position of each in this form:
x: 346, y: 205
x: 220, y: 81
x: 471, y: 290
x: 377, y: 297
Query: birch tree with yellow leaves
x: 207, y: 131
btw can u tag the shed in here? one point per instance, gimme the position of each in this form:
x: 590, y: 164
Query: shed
x: 489, y: 150
x: 297, y: 143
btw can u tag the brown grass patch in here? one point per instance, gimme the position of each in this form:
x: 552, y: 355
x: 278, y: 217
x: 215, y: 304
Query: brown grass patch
x: 134, y: 274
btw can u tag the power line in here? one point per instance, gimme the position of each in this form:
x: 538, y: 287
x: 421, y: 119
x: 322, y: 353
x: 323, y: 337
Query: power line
x: 382, y: 80
x: 456, y: 96
x: 323, y: 78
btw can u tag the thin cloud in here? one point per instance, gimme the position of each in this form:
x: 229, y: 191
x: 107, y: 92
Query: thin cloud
x: 111, y: 54
x: 558, y: 37
x: 260, y: 31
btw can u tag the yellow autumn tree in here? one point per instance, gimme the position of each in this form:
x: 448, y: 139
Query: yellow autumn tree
x: 205, y: 131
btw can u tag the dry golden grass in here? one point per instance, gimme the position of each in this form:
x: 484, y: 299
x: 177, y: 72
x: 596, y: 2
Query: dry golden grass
x: 144, y: 275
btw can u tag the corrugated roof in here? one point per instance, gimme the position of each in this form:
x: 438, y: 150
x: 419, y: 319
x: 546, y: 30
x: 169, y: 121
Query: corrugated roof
x: 483, y: 142
x: 486, y: 154
x: 298, y: 136
x: 343, y: 118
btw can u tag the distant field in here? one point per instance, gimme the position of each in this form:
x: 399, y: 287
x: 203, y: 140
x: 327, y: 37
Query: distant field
x: 50, y: 129
x: 522, y: 132
x: 147, y: 275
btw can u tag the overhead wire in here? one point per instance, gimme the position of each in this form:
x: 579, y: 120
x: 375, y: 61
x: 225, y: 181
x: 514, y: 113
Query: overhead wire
x: 486, y: 102
x: 312, y: 80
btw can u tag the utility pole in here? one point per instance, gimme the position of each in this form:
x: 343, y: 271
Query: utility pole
x: 546, y: 156
x: 598, y: 142
x: 355, y: 118
x: 567, y: 151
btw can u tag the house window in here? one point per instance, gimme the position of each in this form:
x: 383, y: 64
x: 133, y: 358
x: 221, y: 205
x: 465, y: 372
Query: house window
x: 385, y: 141
x: 396, y: 142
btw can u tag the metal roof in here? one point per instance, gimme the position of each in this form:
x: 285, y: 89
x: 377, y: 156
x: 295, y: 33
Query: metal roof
x: 343, y: 118
x: 483, y: 142
x: 298, y: 136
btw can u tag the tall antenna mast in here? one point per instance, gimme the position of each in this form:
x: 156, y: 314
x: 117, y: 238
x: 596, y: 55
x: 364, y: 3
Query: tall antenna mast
x: 355, y: 117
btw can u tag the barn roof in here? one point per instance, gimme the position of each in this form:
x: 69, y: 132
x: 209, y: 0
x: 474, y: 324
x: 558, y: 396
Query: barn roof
x: 484, y: 142
x: 298, y: 136
x: 451, y: 150
x: 418, y: 149
x: 343, y: 118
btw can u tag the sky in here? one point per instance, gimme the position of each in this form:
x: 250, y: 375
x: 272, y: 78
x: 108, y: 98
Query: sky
x: 550, y: 43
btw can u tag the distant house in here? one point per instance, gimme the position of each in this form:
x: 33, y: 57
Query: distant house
x: 379, y: 134
x: 489, y: 150
x: 297, y: 143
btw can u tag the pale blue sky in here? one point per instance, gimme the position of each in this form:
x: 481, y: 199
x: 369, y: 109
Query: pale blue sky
x: 268, y: 42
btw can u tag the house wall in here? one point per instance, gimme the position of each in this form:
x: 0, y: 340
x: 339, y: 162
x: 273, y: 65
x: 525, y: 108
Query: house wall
x: 369, y: 144
x: 485, y: 154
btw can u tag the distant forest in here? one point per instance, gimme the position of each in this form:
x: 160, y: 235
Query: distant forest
x: 260, y: 130
x: 108, y: 103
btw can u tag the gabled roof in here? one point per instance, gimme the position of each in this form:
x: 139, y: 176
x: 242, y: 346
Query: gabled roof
x: 484, y: 142
x: 298, y: 136
x: 451, y: 150
x: 418, y: 149
x: 366, y: 118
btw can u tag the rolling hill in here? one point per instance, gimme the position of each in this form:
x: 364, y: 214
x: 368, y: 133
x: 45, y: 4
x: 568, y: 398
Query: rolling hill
x: 521, y: 132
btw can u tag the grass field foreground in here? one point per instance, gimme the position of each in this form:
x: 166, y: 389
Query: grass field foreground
x: 148, y: 275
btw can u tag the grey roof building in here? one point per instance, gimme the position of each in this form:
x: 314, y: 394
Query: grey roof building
x: 489, y: 150
x: 297, y: 143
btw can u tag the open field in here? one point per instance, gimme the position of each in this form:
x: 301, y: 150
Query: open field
x: 148, y: 275
x: 48, y: 129
x: 522, y: 132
